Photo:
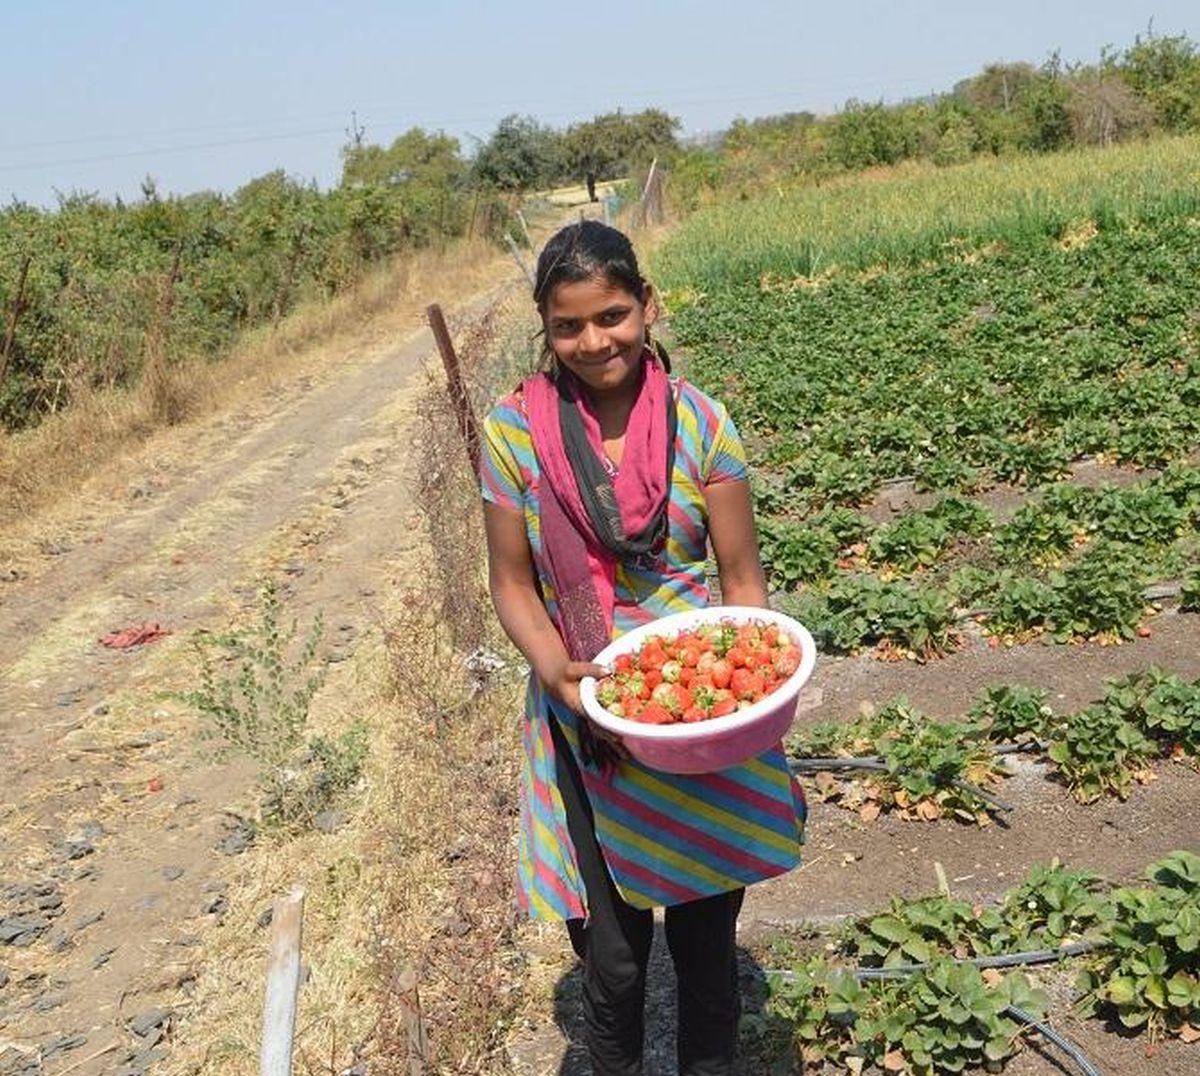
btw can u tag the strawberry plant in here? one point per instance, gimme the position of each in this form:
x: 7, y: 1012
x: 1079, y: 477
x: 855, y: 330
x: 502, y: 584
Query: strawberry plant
x: 1189, y: 594
x: 858, y: 610
x: 1050, y: 907
x: 796, y: 552
x: 1162, y: 705
x: 1012, y: 712
x: 1101, y: 592
x: 918, y: 931
x: 1020, y: 603
x: 1098, y: 750
x: 945, y: 1019
x: 1151, y: 976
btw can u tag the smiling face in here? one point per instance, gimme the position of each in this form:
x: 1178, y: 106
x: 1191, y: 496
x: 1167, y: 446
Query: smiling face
x: 598, y: 330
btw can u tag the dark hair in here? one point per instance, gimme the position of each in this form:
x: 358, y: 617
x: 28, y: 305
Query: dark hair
x: 585, y: 250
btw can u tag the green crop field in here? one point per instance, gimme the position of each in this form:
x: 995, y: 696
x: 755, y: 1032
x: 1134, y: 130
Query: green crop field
x: 971, y: 399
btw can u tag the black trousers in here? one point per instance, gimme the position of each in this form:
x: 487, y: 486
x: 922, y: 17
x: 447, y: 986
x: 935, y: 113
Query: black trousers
x: 615, y: 949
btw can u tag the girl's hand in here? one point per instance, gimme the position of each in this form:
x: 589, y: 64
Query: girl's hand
x: 564, y: 682
x: 564, y: 686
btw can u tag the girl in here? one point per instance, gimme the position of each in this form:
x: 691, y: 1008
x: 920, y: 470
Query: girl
x: 603, y: 480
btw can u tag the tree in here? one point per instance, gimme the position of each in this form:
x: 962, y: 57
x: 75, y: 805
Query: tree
x: 1165, y: 72
x: 415, y: 156
x: 521, y: 154
x: 1104, y: 109
x: 617, y: 143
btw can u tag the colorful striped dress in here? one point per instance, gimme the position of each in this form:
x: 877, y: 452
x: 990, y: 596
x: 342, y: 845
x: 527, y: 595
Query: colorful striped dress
x: 666, y: 838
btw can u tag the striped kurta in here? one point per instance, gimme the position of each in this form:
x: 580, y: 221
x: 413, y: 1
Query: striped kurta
x: 666, y: 838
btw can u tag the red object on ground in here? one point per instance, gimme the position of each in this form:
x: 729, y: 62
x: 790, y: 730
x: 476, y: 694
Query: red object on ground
x: 127, y: 637
x: 155, y: 784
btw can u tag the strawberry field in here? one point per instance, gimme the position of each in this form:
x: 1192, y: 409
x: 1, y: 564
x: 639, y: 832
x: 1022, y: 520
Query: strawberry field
x: 972, y: 404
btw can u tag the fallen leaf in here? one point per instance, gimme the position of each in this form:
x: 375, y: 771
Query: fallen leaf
x: 1189, y: 1034
x: 992, y: 976
x: 893, y: 1061
x: 869, y: 811
x: 928, y: 810
x: 824, y: 780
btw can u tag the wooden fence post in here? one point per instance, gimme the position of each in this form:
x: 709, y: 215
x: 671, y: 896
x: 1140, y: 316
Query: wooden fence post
x: 467, y: 424
x: 405, y: 989
x: 516, y: 253
x: 525, y: 229
x: 283, y: 985
x: 14, y: 313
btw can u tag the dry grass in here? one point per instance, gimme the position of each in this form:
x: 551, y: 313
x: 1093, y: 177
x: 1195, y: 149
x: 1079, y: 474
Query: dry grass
x: 104, y: 431
x: 410, y: 909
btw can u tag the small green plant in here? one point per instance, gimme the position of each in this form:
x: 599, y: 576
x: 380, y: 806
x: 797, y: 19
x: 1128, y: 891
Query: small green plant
x: 1012, y: 711
x: 256, y: 687
x: 1020, y: 604
x: 1150, y: 977
x: 1189, y: 595
x: 918, y: 931
x: 1099, y: 750
x: 1162, y: 705
x: 862, y: 609
x: 1050, y: 907
x: 1099, y: 593
x: 797, y: 552
x: 945, y: 1019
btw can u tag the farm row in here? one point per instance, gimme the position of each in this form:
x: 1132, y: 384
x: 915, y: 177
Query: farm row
x: 971, y: 401
x: 1002, y: 366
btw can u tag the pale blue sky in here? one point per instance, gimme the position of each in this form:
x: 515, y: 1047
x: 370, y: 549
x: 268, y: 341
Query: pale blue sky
x: 98, y: 94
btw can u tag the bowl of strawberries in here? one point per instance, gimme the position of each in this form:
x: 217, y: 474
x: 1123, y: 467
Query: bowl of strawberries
x: 703, y: 690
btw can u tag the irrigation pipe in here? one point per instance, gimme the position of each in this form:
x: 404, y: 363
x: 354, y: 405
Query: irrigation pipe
x: 1005, y: 960
x: 874, y: 762
x: 1054, y: 1038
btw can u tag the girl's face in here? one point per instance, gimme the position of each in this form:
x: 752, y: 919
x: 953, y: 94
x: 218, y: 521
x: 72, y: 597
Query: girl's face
x: 598, y: 330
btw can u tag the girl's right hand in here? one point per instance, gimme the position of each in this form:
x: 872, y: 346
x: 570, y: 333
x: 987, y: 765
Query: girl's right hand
x: 564, y: 686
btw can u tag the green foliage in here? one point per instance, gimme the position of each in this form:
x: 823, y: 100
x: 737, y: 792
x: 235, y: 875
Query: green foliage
x: 1162, y: 705
x: 254, y: 694
x: 860, y: 610
x: 796, y: 552
x: 1011, y: 712
x: 1189, y: 595
x: 918, y: 931
x: 1099, y: 750
x: 1150, y: 977
x: 945, y: 1019
x: 1051, y: 907
x: 1099, y: 592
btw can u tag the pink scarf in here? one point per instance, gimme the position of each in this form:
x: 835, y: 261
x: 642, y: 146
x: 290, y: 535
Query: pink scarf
x: 581, y: 568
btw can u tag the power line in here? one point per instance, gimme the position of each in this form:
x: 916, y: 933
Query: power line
x: 340, y: 114
x: 392, y: 123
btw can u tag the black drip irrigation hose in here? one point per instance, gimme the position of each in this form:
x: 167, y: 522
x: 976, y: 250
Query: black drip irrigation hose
x: 1086, y: 1067
x: 1004, y: 960
x: 874, y: 762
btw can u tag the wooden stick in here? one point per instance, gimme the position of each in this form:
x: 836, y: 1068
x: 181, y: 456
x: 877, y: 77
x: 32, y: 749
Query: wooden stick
x: 90, y: 1057
x: 525, y: 229
x: 283, y: 985
x: 405, y: 987
x: 467, y: 424
x: 512, y: 249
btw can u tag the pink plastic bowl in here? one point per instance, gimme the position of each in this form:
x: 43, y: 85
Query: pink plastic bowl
x: 720, y: 742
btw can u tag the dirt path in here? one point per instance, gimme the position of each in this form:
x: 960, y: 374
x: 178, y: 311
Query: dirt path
x: 111, y: 831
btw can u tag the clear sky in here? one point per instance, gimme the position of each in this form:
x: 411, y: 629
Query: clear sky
x: 98, y: 94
